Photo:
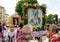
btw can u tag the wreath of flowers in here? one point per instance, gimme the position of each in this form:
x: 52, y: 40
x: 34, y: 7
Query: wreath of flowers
x: 25, y: 6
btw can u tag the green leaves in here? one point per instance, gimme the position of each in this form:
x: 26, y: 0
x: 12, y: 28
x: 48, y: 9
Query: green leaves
x: 49, y: 19
x: 19, y: 6
x: 22, y: 11
x: 52, y: 18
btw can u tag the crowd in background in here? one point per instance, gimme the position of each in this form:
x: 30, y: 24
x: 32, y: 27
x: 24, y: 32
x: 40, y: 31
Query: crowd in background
x: 25, y: 34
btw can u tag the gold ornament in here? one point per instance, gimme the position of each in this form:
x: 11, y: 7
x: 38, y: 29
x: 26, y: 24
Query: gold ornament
x: 44, y: 16
x: 44, y: 6
x: 26, y: 17
x: 36, y: 6
x: 34, y: 28
x: 26, y: 5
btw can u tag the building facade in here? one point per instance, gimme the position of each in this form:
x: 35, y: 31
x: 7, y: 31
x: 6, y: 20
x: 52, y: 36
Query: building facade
x: 2, y: 14
x: 6, y: 18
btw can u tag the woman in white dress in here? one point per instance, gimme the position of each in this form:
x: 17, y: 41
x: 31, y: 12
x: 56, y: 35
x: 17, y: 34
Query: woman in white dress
x: 11, y: 34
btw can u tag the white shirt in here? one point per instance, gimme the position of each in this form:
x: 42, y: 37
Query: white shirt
x: 5, y: 33
x: 44, y: 32
x: 45, y: 39
x: 36, y: 34
x: 10, y: 33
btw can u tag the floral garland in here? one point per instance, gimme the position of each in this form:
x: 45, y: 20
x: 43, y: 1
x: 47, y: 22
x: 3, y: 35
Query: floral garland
x: 25, y: 6
x: 36, y: 6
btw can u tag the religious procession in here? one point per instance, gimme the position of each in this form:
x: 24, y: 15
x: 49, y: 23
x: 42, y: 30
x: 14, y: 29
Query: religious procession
x: 30, y: 22
x: 26, y: 34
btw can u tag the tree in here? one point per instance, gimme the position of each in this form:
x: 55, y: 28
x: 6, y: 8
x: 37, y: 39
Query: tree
x: 19, y: 6
x: 49, y: 19
x: 22, y: 9
x: 56, y: 18
x: 59, y: 21
x: 52, y: 19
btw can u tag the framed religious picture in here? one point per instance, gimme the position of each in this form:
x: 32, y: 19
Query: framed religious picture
x: 15, y: 21
x: 35, y: 17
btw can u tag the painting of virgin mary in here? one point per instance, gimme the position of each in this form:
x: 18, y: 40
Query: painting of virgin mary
x: 35, y: 17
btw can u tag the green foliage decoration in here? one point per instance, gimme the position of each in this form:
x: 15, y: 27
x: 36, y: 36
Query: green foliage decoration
x: 23, y: 5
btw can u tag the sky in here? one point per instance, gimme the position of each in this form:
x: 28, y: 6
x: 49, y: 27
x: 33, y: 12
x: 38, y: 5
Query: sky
x: 53, y: 6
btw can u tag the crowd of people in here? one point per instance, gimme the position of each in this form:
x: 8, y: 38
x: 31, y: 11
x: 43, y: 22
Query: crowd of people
x: 25, y: 34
